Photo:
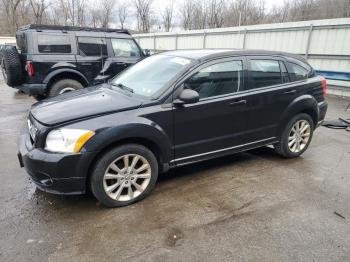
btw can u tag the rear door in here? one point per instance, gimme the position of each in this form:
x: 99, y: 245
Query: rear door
x: 268, y: 93
x: 123, y: 53
x: 217, y: 121
x: 91, y: 56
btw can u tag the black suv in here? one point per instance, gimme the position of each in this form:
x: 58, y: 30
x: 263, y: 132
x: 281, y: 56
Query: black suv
x: 169, y: 110
x: 55, y: 59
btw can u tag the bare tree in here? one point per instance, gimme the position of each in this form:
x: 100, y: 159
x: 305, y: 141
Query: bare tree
x: 10, y: 10
x: 200, y: 15
x: 95, y: 18
x: 107, y: 9
x: 39, y: 7
x: 123, y: 10
x: 216, y: 11
x: 143, y: 14
x: 186, y: 13
x: 167, y: 16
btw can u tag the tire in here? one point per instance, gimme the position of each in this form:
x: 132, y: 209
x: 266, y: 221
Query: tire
x: 119, y: 195
x: 11, y: 66
x: 63, y: 86
x: 286, y: 150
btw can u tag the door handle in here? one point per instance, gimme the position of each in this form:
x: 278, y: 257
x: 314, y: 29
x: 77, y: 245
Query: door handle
x: 240, y: 102
x: 290, y: 92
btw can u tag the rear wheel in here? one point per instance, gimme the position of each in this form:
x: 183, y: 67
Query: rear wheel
x: 124, y: 175
x: 64, y: 86
x: 296, y: 136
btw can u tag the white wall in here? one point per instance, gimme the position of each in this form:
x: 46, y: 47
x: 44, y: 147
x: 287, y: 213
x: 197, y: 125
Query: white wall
x: 327, y: 42
x: 7, y: 40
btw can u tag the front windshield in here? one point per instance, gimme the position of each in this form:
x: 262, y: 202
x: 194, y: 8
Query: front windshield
x: 148, y: 76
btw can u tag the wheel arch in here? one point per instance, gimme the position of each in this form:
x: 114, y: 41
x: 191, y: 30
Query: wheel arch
x: 304, y: 104
x: 59, y: 74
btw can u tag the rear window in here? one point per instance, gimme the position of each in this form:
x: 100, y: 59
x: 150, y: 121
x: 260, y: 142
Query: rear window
x: 54, y: 44
x: 265, y: 73
x: 92, y: 46
x: 125, y: 47
x: 297, y: 72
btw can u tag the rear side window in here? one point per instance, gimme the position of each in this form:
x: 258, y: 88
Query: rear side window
x: 125, y: 47
x: 297, y: 72
x: 54, y: 44
x: 92, y: 46
x: 218, y: 79
x: 265, y: 73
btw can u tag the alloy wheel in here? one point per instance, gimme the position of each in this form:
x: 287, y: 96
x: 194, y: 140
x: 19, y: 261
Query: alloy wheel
x: 299, y: 136
x: 127, y: 177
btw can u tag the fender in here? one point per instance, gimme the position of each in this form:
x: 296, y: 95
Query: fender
x: 143, y: 131
x: 300, y: 104
x: 64, y: 70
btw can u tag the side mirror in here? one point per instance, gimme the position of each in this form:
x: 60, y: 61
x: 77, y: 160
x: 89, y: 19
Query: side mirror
x: 147, y: 52
x: 187, y: 96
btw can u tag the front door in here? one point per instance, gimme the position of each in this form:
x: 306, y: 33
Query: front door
x: 124, y: 53
x: 217, y: 121
x: 92, y: 53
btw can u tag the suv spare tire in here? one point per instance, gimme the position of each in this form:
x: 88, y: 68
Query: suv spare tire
x: 11, y: 66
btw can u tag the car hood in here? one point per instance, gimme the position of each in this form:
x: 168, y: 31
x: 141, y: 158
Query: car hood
x: 83, y: 103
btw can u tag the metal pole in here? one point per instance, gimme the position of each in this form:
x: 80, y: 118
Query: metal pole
x: 244, y: 38
x: 176, y: 41
x: 154, y: 42
x: 308, y: 42
x: 204, y: 39
x: 239, y: 28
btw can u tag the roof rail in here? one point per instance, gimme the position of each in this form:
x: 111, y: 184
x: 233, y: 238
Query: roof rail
x: 71, y: 28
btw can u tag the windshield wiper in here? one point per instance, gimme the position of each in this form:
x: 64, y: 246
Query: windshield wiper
x: 123, y: 87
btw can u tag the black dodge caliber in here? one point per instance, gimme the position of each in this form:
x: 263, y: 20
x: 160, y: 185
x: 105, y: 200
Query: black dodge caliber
x: 169, y: 110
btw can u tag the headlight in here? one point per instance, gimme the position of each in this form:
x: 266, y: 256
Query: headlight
x: 66, y: 140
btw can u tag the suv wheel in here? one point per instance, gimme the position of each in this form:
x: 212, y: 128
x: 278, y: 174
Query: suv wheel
x: 11, y: 66
x: 64, y: 86
x: 296, y: 136
x: 124, y: 175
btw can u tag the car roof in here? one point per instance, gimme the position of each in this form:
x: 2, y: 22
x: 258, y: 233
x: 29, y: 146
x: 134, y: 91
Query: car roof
x: 204, y: 54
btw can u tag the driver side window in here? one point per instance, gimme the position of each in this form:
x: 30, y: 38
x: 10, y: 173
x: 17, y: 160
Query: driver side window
x: 218, y: 79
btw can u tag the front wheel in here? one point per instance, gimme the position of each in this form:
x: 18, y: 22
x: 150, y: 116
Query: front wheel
x: 124, y: 175
x: 64, y: 86
x: 296, y: 136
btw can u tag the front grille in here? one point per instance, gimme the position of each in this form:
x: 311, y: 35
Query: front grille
x: 33, y: 130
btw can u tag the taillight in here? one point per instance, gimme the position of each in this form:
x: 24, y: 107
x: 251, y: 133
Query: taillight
x: 30, y: 68
x: 324, y: 86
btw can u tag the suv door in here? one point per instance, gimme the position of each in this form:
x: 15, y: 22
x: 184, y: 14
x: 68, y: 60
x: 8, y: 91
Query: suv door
x: 91, y: 56
x: 217, y: 121
x: 123, y: 53
x: 268, y: 93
